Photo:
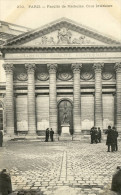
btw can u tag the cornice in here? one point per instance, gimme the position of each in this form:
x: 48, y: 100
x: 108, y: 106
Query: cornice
x: 72, y: 25
x: 66, y: 48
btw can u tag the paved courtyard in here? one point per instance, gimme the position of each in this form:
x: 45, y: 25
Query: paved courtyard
x: 60, y: 168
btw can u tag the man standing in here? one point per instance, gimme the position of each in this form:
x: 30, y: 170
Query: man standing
x: 47, y: 135
x: 115, y: 139
x: 96, y: 135
x: 99, y: 134
x: 51, y: 134
x: 92, y: 133
x: 109, y: 141
x: 1, y: 138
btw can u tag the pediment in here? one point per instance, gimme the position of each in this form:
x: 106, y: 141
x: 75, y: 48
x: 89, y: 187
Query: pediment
x: 61, y: 32
x: 63, y: 36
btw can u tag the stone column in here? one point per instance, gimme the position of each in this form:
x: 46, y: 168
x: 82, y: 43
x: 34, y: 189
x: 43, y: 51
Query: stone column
x: 9, y: 99
x: 98, y: 119
x: 4, y: 112
x: 76, y: 98
x: 52, y: 68
x: 118, y: 96
x: 31, y: 98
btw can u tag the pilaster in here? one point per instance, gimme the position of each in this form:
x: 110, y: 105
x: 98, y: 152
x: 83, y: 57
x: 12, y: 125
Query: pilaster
x: 76, y: 98
x: 98, y: 119
x: 31, y: 98
x: 9, y: 99
x: 118, y: 96
x: 52, y: 68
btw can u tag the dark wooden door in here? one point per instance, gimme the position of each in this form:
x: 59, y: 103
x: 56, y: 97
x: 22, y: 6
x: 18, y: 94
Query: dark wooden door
x: 65, y: 115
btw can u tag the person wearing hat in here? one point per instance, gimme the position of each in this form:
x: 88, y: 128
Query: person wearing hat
x: 47, y: 135
x: 96, y: 135
x: 109, y: 141
x: 92, y: 133
x: 115, y: 148
x: 99, y: 134
x: 51, y: 134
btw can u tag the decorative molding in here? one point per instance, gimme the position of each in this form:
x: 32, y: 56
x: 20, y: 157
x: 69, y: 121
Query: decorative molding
x: 64, y: 76
x: 87, y: 75
x: 8, y: 68
x: 118, y: 67
x: 58, y: 48
x: 52, y: 68
x: 30, y: 68
x: 22, y: 76
x: 107, y: 75
x: 43, y: 76
x: 76, y: 68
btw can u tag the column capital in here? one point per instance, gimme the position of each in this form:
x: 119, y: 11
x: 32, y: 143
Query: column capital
x: 8, y: 68
x: 76, y: 67
x: 52, y: 68
x: 30, y: 67
x: 118, y: 67
x: 98, y: 66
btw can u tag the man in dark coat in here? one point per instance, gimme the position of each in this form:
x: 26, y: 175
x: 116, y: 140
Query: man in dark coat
x: 109, y: 141
x: 99, y: 134
x: 51, y: 134
x: 92, y: 133
x: 1, y: 138
x: 96, y: 135
x: 5, y: 182
x: 115, y: 139
x: 47, y: 135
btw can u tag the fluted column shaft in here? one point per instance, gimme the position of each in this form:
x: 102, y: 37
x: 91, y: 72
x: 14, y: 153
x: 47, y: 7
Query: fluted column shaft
x: 31, y: 99
x: 76, y: 98
x: 52, y: 97
x: 118, y: 96
x: 9, y: 99
x: 98, y: 95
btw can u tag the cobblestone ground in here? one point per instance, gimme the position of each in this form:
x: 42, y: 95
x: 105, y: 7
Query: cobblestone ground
x: 60, y: 168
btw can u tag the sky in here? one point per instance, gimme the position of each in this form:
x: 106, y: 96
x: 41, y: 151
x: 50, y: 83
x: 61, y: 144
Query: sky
x: 106, y: 20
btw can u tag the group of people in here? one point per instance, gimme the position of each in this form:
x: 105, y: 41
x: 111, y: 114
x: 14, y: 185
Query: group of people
x: 1, y: 138
x: 111, y: 141
x: 95, y: 135
x: 49, y: 133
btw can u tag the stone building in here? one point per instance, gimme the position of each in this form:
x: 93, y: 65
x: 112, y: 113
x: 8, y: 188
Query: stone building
x: 64, y: 76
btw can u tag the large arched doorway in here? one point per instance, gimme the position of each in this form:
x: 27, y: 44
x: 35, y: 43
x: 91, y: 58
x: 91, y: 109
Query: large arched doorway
x: 65, y: 115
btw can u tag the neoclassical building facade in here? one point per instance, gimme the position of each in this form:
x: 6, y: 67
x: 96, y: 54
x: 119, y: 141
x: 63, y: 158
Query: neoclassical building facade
x: 62, y: 76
